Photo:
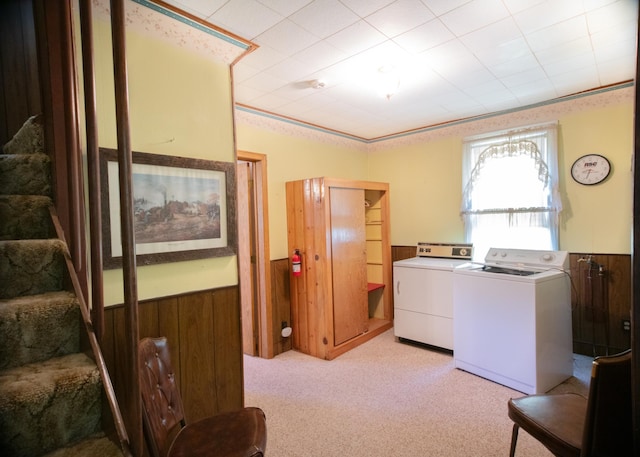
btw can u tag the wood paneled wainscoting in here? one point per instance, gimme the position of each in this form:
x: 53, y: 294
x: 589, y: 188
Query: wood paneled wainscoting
x: 600, y: 300
x: 204, y: 335
x: 601, y: 303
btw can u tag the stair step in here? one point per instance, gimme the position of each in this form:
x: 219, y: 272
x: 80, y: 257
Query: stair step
x: 38, y: 327
x: 25, y: 174
x: 25, y: 217
x: 31, y: 267
x: 48, y: 405
x: 28, y: 139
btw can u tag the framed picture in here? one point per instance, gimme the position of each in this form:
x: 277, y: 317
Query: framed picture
x: 184, y: 209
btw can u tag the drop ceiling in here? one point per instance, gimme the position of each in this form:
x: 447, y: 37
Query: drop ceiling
x: 454, y: 59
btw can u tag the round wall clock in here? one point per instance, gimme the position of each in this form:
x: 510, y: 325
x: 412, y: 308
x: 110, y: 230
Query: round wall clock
x: 590, y: 169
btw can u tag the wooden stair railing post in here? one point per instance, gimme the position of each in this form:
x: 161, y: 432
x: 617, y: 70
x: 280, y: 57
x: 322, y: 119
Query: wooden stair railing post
x: 93, y: 165
x: 133, y: 415
x: 95, y: 215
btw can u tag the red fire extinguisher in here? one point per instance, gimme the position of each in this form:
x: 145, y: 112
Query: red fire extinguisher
x: 296, y: 263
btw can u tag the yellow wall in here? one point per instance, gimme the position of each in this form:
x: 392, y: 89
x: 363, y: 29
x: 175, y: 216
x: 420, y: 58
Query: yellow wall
x: 425, y: 188
x: 180, y: 105
x: 289, y: 159
x: 425, y: 184
x: 425, y: 176
x: 598, y: 219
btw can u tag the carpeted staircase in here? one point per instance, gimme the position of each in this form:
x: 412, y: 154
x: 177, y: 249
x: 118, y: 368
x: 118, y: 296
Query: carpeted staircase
x: 50, y: 392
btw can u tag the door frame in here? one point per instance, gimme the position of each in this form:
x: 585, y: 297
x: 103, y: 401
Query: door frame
x: 263, y: 262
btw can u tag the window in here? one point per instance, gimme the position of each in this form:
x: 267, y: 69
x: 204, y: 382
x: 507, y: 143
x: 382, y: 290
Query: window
x: 510, y: 190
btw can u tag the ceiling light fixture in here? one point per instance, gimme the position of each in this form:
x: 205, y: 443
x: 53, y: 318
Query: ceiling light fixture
x: 389, y: 80
x: 317, y: 83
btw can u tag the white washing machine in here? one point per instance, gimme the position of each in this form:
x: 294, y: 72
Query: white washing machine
x: 423, y: 293
x: 512, y: 318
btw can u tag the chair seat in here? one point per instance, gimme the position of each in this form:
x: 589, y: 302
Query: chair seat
x: 239, y: 433
x: 556, y: 420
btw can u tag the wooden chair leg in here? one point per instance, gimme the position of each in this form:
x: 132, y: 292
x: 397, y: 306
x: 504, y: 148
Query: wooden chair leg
x: 514, y: 439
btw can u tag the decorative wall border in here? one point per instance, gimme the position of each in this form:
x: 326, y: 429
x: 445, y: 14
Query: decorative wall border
x: 168, y: 25
x: 531, y: 114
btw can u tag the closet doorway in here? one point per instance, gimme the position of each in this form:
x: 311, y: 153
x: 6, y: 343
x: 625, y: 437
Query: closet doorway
x: 253, y: 255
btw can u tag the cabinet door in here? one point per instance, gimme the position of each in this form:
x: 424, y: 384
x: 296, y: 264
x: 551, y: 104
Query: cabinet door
x: 349, y: 263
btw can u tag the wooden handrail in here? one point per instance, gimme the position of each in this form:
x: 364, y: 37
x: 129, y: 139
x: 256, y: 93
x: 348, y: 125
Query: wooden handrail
x: 95, y: 346
x: 93, y: 165
x: 74, y: 168
x: 132, y: 400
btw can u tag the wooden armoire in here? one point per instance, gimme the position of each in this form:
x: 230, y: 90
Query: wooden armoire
x: 343, y: 295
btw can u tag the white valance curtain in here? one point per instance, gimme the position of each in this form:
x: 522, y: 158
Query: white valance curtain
x: 511, y: 179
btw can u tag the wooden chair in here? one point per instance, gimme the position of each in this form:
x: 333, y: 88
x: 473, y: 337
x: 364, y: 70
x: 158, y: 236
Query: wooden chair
x: 570, y: 425
x: 241, y: 433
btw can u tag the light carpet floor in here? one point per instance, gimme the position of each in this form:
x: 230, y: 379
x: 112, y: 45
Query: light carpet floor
x: 389, y: 399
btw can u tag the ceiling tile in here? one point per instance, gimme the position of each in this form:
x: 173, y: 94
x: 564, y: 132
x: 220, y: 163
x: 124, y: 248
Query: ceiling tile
x: 287, y: 37
x: 533, y: 89
x: 364, y: 8
x: 356, y: 38
x: 612, y: 46
x: 578, y: 64
x: 264, y: 82
x: 440, y: 7
x: 399, y: 17
x: 451, y: 58
x: 558, y: 34
x: 515, y: 66
x: 504, y: 53
x: 262, y: 58
x: 621, y: 13
x: 467, y: 80
x: 319, y: 56
x: 565, y: 83
x: 324, y: 17
x: 492, y: 35
x: 284, y: 7
x: 474, y: 15
x: 271, y: 101
x: 424, y: 37
x: 547, y: 13
x: 246, y: 18
x: 564, y: 51
x: 524, y: 77
x: 515, y: 6
x: 289, y: 70
x: 247, y: 95
x: 615, y: 70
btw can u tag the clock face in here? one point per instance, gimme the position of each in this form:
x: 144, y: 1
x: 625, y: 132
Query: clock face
x: 590, y: 169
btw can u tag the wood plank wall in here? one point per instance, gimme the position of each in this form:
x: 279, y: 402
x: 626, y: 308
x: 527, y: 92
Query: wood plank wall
x: 205, y: 340
x: 19, y: 81
x: 599, y: 302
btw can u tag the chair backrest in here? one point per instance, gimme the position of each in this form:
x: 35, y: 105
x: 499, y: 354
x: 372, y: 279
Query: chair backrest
x: 608, y: 426
x: 162, y: 410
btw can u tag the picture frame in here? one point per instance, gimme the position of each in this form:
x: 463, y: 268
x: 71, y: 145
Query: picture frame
x: 184, y: 209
